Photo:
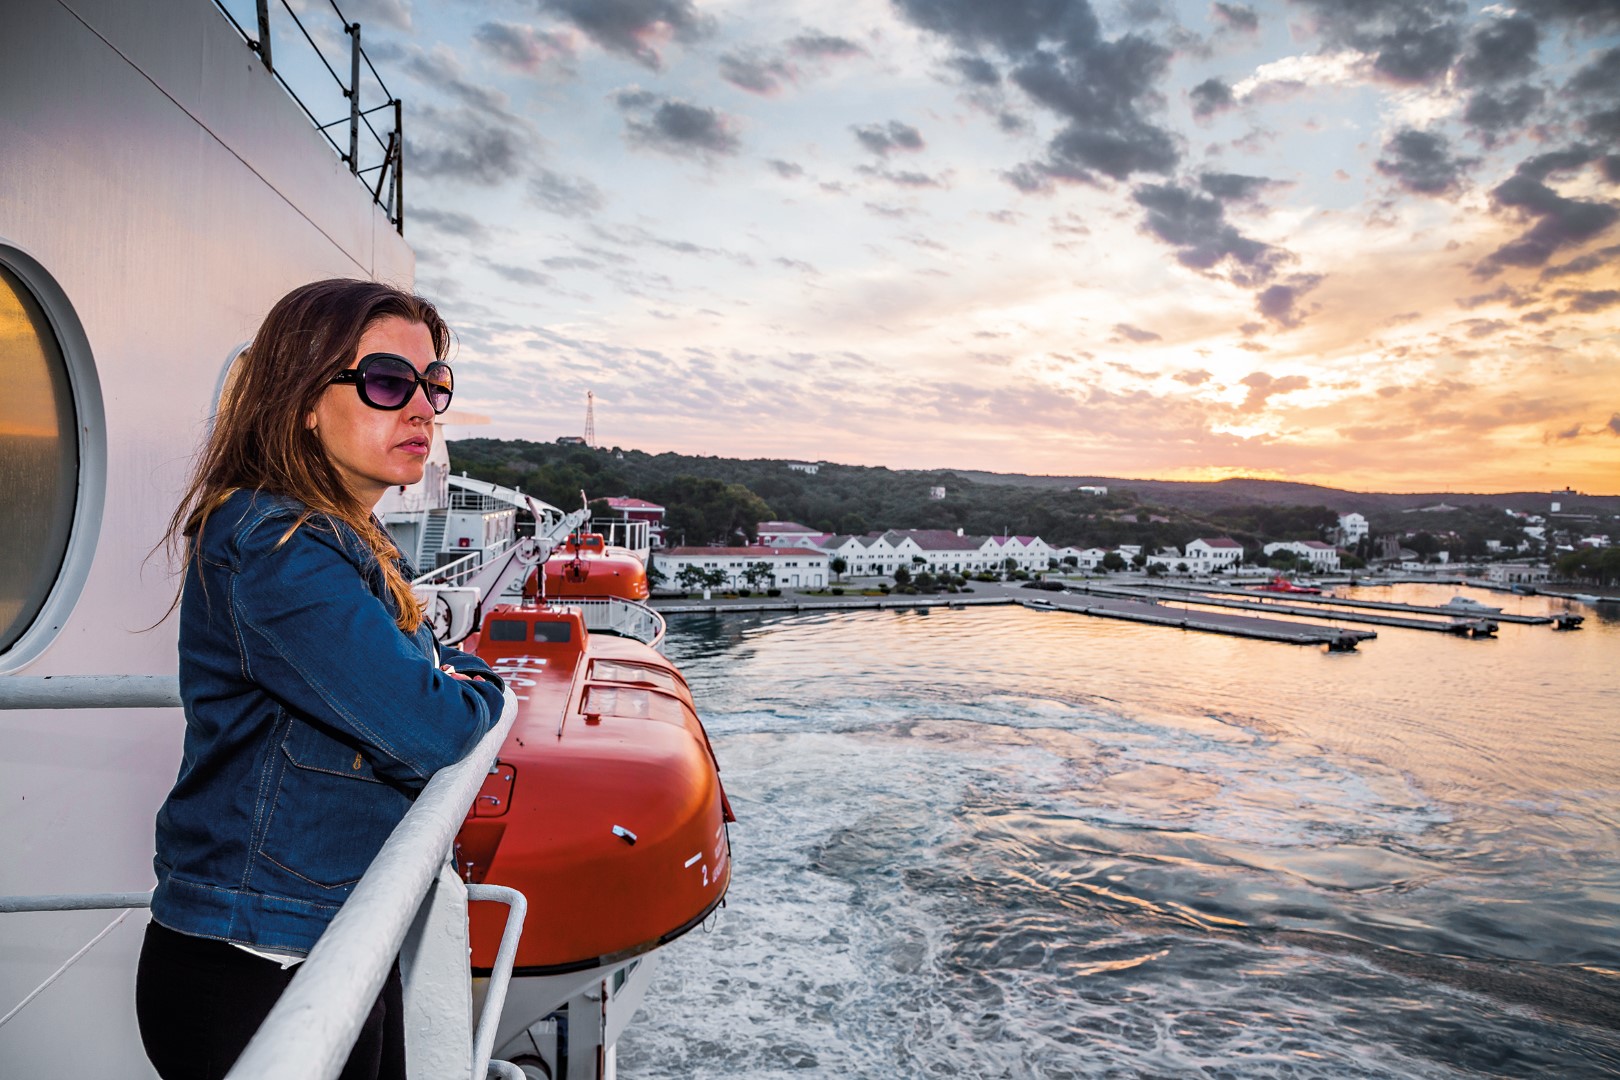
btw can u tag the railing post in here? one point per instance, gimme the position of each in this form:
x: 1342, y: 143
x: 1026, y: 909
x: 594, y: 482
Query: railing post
x: 354, y: 98
x: 399, y: 172
x: 264, y: 34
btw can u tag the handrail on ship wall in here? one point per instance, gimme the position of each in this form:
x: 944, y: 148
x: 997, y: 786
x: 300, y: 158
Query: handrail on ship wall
x: 389, y: 191
x: 409, y: 904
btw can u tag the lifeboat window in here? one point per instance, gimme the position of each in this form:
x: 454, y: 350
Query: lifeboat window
x: 48, y: 470
x: 508, y: 630
x: 615, y: 671
x: 554, y: 632
x: 625, y: 701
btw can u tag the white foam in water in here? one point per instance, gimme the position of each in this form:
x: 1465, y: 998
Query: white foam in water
x: 939, y: 873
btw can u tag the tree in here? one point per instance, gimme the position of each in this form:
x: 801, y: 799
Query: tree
x: 925, y: 580
x: 1139, y: 560
x: 655, y: 576
x: 1181, y: 568
x: 715, y: 578
x: 1113, y: 561
x: 756, y: 572
x: 1010, y: 563
x: 902, y: 576
x: 692, y: 577
x: 837, y: 565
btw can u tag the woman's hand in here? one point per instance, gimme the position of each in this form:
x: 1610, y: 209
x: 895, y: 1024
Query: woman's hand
x: 454, y: 674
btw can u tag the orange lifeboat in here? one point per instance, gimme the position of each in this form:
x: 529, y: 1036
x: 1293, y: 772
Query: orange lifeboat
x: 586, y: 565
x: 605, y: 806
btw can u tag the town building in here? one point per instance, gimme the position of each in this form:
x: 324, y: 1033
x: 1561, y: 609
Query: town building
x: 806, y: 467
x: 1322, y: 557
x: 1210, y: 555
x: 1516, y: 573
x: 622, y: 508
x: 1352, y: 529
x: 786, y: 533
x: 790, y: 567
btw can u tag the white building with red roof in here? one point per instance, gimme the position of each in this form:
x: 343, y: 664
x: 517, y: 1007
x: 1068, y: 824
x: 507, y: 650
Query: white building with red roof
x: 624, y: 508
x: 787, y: 533
x: 1211, y: 555
x: 789, y: 567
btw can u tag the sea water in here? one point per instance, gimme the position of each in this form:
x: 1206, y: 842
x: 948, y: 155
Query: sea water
x: 996, y: 842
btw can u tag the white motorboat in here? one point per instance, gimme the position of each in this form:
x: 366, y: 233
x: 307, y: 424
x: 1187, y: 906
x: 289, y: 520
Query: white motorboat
x: 1463, y: 605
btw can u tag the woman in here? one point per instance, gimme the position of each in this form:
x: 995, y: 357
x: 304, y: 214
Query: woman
x: 317, y: 703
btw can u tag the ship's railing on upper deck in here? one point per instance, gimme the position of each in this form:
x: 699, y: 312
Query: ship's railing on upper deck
x: 388, y: 188
x: 409, y: 904
x: 633, y: 535
x: 611, y: 615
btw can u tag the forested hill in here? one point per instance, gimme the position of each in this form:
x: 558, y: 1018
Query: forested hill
x: 712, y: 498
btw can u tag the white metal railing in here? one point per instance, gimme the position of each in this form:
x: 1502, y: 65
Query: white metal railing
x: 625, y: 533
x: 409, y: 904
x: 625, y: 618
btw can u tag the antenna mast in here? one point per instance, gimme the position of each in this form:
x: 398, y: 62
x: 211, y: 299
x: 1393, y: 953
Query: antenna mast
x: 590, y: 419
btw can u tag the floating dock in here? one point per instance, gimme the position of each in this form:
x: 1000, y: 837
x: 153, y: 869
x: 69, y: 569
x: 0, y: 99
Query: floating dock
x: 1147, y: 610
x: 1477, y: 627
x: 1367, y: 605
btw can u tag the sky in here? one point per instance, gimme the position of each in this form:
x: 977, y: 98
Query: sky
x: 1373, y: 244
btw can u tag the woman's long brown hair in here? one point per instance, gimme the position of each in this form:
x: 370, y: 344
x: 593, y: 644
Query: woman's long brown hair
x: 260, y: 441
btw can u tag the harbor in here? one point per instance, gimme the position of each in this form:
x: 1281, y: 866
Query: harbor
x: 1182, y: 606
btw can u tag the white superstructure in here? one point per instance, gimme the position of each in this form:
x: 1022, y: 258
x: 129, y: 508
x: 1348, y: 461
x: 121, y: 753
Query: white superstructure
x: 158, y: 192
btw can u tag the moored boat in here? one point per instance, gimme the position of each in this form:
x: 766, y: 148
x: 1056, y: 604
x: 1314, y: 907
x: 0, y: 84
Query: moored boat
x: 1464, y: 605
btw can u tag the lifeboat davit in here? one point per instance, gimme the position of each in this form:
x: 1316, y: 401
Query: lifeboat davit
x: 586, y: 565
x: 605, y: 807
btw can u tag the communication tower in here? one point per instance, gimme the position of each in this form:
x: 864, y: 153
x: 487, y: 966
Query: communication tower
x: 590, y: 419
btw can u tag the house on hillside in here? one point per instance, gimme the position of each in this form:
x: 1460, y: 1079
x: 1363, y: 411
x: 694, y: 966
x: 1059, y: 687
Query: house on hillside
x: 786, y: 533
x: 624, y: 508
x: 1211, y: 555
x: 1352, y: 529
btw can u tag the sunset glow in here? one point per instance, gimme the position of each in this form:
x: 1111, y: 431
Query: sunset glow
x: 1143, y: 239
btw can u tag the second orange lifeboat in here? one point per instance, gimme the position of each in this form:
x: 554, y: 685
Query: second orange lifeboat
x: 586, y: 565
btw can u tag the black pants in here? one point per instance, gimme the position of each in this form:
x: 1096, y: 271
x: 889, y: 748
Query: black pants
x: 199, y: 1001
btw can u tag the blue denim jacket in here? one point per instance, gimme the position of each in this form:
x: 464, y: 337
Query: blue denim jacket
x: 312, y: 722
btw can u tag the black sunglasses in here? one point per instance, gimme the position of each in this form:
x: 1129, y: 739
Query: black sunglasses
x: 387, y: 381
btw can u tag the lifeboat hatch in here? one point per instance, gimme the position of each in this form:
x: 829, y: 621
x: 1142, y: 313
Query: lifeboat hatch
x: 624, y: 671
x: 496, y: 794
x: 635, y: 703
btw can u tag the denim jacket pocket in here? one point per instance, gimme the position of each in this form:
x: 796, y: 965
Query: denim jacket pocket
x: 331, y: 812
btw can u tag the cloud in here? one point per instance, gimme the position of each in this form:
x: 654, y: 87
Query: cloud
x: 828, y: 46
x: 885, y: 138
x: 450, y: 223
x: 1193, y: 378
x: 1500, y: 50
x: 1501, y: 294
x: 976, y: 70
x: 1421, y: 162
x: 1493, y: 113
x: 523, y: 48
x: 1102, y: 89
x: 522, y: 275
x: 676, y: 127
x: 1211, y: 96
x: 464, y: 144
x: 1585, y: 264
x: 1280, y: 302
x: 756, y: 73
x: 902, y: 178
x: 394, y: 14
x: 1128, y: 332
x: 1601, y: 77
x: 1586, y: 301
x: 1591, y: 15
x: 1559, y: 221
x: 1233, y: 186
x: 1236, y: 17
x: 1196, y: 226
x: 635, y: 29
x: 1263, y: 387
x: 787, y: 170
x: 569, y: 196
x: 1409, y: 41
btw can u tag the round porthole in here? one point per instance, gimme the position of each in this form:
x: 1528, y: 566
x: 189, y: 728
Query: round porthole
x: 52, y: 458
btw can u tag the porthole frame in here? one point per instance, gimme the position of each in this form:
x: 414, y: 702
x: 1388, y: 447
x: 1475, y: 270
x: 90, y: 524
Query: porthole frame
x: 91, y: 496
